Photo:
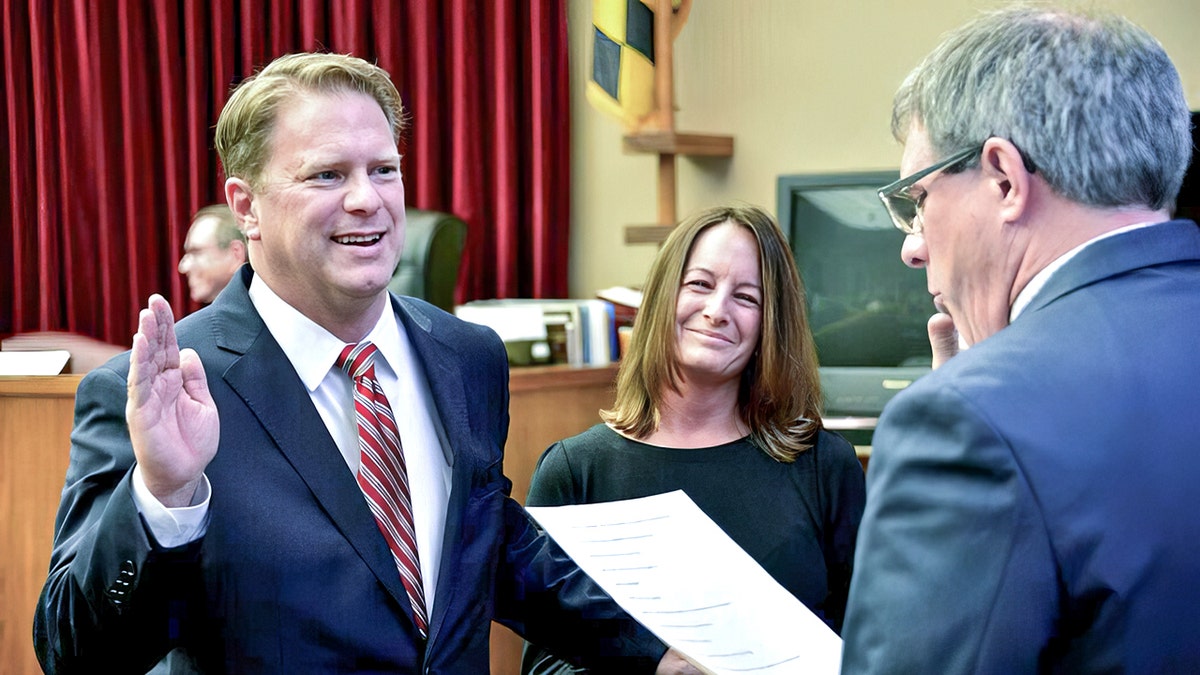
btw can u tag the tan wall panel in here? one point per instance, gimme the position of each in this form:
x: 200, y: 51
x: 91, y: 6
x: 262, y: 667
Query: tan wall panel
x: 804, y: 86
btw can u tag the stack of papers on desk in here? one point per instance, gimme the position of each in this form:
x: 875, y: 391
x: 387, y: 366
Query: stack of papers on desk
x: 674, y: 570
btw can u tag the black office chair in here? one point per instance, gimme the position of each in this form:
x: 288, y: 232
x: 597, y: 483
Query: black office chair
x: 428, y: 268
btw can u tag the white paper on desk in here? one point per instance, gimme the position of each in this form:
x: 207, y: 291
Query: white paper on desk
x: 49, y: 362
x: 512, y: 322
x: 674, y: 570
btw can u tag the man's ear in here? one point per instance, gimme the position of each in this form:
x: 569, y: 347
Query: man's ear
x: 238, y: 248
x: 1003, y: 164
x: 240, y: 197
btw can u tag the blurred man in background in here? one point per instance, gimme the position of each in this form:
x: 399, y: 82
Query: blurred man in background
x: 214, y: 249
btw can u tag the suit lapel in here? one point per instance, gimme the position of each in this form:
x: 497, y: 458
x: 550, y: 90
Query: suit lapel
x: 1174, y: 241
x: 265, y: 380
x: 443, y: 371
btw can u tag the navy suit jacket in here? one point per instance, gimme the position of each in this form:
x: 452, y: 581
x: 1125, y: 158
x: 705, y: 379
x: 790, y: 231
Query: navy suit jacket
x: 1031, y: 505
x: 293, y: 575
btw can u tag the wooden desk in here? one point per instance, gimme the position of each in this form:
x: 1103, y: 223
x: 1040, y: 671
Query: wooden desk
x: 36, y: 417
x: 546, y: 404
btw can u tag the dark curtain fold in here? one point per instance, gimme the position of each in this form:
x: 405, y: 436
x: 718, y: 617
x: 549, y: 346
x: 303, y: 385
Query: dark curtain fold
x: 108, y: 116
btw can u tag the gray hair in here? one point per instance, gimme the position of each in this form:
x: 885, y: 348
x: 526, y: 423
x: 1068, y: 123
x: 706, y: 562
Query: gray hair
x: 1091, y: 100
x: 227, y: 229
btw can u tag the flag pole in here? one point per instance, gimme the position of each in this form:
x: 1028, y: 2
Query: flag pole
x: 664, y: 98
x: 657, y: 133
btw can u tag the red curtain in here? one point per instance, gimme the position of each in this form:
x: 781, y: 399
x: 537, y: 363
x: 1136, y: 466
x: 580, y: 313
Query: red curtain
x: 109, y: 108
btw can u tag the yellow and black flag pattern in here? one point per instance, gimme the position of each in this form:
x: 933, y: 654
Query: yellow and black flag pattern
x: 622, y: 82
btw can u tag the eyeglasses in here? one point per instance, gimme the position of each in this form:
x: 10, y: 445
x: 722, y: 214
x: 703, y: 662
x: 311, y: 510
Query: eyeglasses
x: 902, y: 206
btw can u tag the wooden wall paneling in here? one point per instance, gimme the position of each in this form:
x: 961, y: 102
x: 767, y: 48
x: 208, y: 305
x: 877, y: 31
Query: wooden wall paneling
x: 36, y: 416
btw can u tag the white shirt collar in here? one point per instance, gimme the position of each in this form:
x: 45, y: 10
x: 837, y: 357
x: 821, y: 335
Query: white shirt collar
x: 1040, y: 279
x: 311, y: 348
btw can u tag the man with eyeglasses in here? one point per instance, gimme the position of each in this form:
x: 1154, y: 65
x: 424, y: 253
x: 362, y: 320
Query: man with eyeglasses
x: 1030, y: 502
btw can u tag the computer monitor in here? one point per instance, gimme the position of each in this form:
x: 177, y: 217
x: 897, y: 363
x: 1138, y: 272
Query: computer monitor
x: 1187, y: 205
x: 867, y: 310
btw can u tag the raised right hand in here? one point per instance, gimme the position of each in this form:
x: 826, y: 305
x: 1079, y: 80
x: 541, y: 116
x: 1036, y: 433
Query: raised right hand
x: 172, y: 418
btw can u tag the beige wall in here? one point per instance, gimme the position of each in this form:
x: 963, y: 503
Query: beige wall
x: 802, y: 86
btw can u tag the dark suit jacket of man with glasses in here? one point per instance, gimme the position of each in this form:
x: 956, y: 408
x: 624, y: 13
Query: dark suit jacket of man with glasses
x: 1031, y: 502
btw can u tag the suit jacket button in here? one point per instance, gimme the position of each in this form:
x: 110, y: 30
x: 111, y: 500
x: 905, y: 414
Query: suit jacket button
x: 119, y: 591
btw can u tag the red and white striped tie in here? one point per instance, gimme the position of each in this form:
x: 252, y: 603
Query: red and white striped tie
x: 382, y: 473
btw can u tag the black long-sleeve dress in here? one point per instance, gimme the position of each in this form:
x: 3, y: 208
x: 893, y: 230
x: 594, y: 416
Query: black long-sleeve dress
x: 798, y: 520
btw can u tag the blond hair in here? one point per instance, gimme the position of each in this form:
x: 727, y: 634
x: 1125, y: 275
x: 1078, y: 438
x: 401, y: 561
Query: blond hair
x: 248, y: 118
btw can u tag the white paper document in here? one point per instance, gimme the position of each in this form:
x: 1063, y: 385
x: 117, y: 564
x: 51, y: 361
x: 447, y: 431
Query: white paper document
x: 34, y: 363
x: 512, y: 322
x: 674, y: 570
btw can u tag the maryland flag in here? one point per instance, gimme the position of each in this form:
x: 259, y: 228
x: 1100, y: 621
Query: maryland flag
x: 622, y: 82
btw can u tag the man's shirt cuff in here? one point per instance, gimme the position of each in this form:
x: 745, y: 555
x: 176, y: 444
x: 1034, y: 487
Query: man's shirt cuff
x: 172, y: 527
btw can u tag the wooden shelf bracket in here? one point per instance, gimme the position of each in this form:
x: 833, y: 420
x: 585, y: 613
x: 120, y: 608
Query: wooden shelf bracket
x: 660, y: 137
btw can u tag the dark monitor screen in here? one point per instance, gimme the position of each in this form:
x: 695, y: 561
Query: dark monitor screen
x: 867, y: 309
x: 1187, y: 205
